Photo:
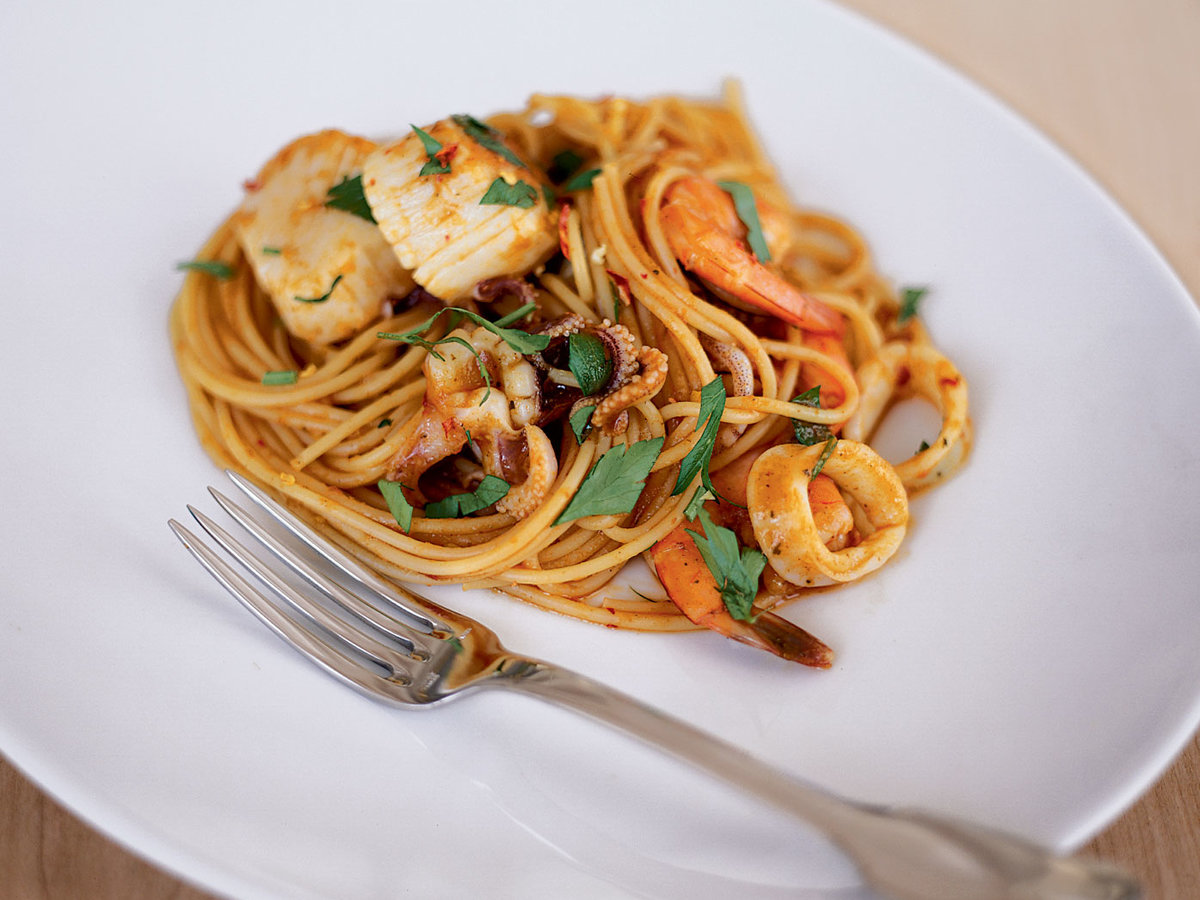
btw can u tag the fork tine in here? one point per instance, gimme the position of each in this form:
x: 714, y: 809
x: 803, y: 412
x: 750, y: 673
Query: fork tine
x: 411, y: 635
x: 416, y: 607
x: 363, y: 643
x: 320, y: 651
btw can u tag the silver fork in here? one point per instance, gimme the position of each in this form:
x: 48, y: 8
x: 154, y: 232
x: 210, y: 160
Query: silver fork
x: 407, y: 650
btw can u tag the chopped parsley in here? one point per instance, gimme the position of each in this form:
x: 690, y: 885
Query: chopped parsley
x: 280, y: 376
x: 490, y: 490
x: 501, y: 193
x: 581, y: 422
x: 581, y: 182
x: 747, y: 210
x: 323, y: 297
x: 212, y: 267
x: 823, y: 458
x: 488, y: 137
x: 615, y: 482
x: 712, y: 405
x: 588, y: 362
x: 735, y: 569
x: 924, y: 446
x: 397, y: 503
x: 519, y: 340
x: 565, y: 164
x: 910, y: 300
x: 697, y: 502
x: 347, y: 195
x: 435, y: 165
x: 271, y: 251
x: 809, y: 433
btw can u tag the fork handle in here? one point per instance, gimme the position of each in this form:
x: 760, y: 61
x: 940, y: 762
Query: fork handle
x: 905, y: 854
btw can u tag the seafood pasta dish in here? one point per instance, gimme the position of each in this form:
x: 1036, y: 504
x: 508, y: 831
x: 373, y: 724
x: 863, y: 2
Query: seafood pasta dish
x: 525, y: 351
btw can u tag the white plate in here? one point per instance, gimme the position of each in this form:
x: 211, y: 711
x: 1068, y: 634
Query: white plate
x: 1029, y: 659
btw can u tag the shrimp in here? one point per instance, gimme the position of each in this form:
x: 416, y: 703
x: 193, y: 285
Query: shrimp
x: 302, y: 251
x: 437, y: 224
x: 692, y: 588
x: 462, y: 408
x: 784, y: 519
x: 703, y: 230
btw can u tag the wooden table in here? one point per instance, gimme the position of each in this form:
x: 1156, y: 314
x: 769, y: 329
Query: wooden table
x: 1114, y: 82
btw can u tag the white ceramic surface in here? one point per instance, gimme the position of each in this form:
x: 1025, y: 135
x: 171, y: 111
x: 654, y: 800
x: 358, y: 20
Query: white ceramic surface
x: 1028, y: 660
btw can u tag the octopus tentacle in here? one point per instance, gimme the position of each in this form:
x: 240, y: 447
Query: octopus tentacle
x: 522, y: 499
x: 645, y: 385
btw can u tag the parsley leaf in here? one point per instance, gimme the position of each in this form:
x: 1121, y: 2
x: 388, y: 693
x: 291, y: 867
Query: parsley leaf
x: 823, y: 458
x: 712, y: 404
x: 747, y: 210
x: 581, y: 182
x: 397, y: 503
x: 581, y: 422
x: 280, y: 376
x: 323, y: 297
x: 736, y: 570
x: 565, y: 164
x: 588, y: 362
x: 212, y: 267
x: 501, y: 193
x: 924, y: 446
x: 486, y: 136
x: 456, y: 506
x: 347, y: 195
x: 271, y: 251
x: 434, y: 165
x: 615, y: 482
x: 519, y: 340
x: 909, y: 302
x: 809, y: 433
x: 697, y: 503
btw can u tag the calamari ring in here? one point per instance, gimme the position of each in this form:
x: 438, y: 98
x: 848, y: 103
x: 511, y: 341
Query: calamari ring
x: 777, y: 496
x: 901, y: 370
x: 522, y: 499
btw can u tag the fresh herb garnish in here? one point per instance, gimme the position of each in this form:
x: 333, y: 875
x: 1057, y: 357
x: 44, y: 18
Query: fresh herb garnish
x: 809, y: 433
x: 712, y: 405
x: 588, y: 362
x: 735, y: 569
x: 323, y: 297
x: 565, y: 164
x: 271, y: 251
x: 549, y: 196
x: 521, y: 341
x: 909, y: 301
x: 747, y: 210
x: 347, y: 195
x: 501, y: 193
x: 581, y: 182
x: 435, y: 165
x: 615, y: 482
x: 697, y: 502
x: 212, y: 267
x: 488, y: 137
x: 581, y: 422
x: 280, y: 376
x: 397, y: 503
x: 823, y: 458
x: 384, y: 423
x: 924, y: 446
x: 456, y: 506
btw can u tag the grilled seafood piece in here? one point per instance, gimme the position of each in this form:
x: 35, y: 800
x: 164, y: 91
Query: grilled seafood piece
x: 436, y: 222
x: 494, y: 415
x: 327, y: 271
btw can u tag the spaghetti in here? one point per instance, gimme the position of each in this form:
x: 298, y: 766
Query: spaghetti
x: 522, y: 354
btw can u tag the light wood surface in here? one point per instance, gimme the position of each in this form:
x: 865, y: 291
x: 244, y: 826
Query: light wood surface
x: 1117, y: 84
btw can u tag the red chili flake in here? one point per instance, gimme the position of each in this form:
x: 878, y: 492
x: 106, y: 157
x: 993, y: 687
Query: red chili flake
x: 902, y: 376
x: 948, y: 382
x: 564, y: 215
x: 622, y: 284
x: 446, y: 154
x: 250, y: 185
